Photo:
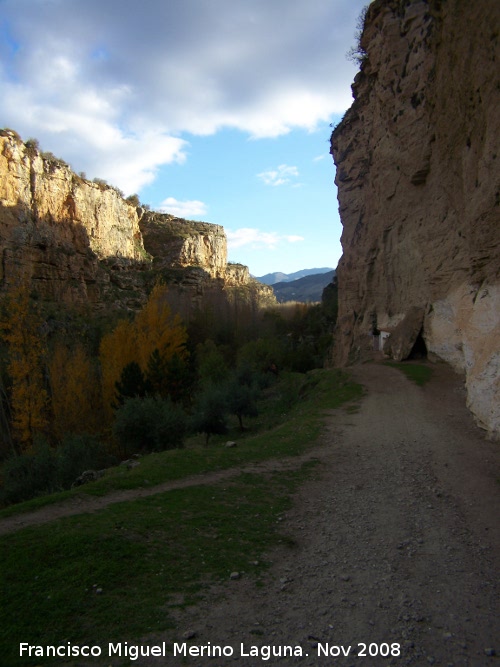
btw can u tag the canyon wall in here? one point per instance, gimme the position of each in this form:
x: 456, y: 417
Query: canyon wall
x: 55, y: 226
x: 418, y: 176
x: 77, y: 241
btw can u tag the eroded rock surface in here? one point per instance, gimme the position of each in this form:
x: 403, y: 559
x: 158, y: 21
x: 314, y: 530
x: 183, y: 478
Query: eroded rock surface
x: 77, y: 241
x: 418, y: 175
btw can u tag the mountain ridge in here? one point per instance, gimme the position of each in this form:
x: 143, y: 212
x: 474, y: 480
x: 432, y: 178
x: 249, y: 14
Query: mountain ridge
x: 308, y: 289
x: 280, y: 277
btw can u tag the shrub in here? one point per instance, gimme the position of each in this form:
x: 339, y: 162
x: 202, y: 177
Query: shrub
x: 212, y: 366
x: 103, y: 185
x: 241, y: 400
x: 7, y: 131
x: 29, y: 474
x: 357, y: 53
x: 209, y: 413
x: 32, y: 146
x: 133, y: 200
x: 44, y: 470
x: 261, y: 354
x: 79, y: 453
x: 149, y: 424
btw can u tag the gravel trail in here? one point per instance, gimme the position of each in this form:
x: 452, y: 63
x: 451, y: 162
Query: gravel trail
x: 398, y: 544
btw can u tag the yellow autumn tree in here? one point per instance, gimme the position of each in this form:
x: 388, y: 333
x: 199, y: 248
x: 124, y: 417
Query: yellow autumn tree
x: 26, y: 354
x: 157, y: 329
x: 74, y: 391
x: 153, y: 328
x: 117, y: 349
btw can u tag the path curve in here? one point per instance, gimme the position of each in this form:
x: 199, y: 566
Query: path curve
x: 398, y: 542
x: 85, y: 504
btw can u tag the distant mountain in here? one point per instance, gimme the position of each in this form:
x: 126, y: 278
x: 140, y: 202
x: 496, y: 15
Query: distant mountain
x: 278, y: 277
x: 306, y: 290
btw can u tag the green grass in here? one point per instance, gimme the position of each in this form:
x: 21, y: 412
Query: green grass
x: 419, y: 373
x: 148, y: 556
x: 289, y: 423
x: 154, y: 554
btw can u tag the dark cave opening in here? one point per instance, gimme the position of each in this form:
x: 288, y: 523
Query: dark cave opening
x: 419, y: 349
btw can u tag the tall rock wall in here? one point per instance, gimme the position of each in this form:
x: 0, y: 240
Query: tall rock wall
x: 180, y: 243
x: 77, y: 241
x: 55, y: 226
x: 418, y: 176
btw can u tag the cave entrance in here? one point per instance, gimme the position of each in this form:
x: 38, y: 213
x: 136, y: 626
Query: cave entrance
x: 419, y: 349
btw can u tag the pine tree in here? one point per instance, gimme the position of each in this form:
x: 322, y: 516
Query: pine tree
x: 154, y: 331
x: 131, y: 384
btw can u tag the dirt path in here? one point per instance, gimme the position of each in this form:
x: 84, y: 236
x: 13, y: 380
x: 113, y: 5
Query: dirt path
x: 85, y: 504
x: 398, y: 543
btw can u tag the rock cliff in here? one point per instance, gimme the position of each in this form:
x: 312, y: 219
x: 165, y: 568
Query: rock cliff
x: 78, y: 241
x: 55, y: 226
x: 180, y: 243
x: 418, y: 176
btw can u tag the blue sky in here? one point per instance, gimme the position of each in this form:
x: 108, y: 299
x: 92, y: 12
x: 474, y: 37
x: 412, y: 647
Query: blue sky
x: 214, y: 110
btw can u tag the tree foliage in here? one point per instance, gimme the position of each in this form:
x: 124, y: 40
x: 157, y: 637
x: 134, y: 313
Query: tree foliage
x: 209, y: 412
x: 131, y: 384
x: 149, y: 424
x: 153, y: 331
x: 74, y: 391
x: 26, y: 356
x: 241, y: 400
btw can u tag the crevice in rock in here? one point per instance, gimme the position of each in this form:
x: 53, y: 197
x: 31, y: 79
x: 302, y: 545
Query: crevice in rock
x: 419, y: 349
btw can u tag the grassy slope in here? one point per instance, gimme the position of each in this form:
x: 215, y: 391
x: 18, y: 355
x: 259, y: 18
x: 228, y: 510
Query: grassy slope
x: 152, y: 554
x: 419, y: 373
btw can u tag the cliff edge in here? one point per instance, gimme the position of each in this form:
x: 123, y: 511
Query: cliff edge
x: 418, y: 176
x: 79, y: 241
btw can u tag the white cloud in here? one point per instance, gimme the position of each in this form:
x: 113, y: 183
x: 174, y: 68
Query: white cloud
x: 82, y: 126
x: 255, y: 238
x: 129, y: 83
x: 183, y: 209
x: 279, y: 176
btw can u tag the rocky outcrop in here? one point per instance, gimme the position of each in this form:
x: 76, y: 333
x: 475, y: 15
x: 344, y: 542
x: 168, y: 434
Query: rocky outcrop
x: 79, y: 241
x: 180, y: 243
x: 418, y: 175
x: 55, y: 226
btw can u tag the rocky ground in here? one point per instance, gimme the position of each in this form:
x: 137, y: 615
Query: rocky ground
x: 396, y: 546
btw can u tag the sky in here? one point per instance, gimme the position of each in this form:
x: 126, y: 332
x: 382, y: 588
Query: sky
x: 213, y: 110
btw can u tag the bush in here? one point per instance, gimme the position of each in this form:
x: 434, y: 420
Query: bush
x: 28, y: 475
x: 209, y: 413
x: 45, y: 470
x: 79, y: 453
x: 149, y: 424
x: 241, y: 400
x: 32, y: 146
x: 357, y: 53
x: 133, y: 200
x: 262, y: 353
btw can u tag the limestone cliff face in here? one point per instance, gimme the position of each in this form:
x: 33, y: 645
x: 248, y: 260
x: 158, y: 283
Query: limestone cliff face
x: 56, y: 226
x: 192, y: 256
x: 77, y: 241
x: 418, y: 175
x: 180, y: 243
